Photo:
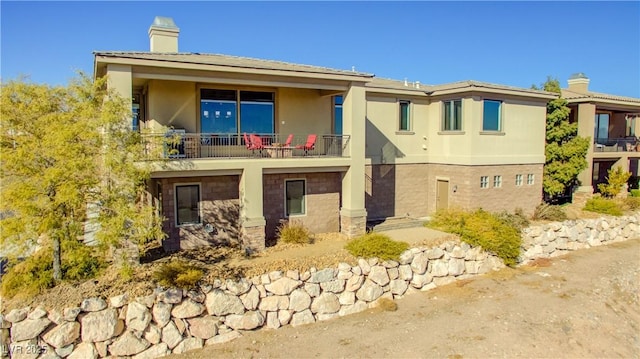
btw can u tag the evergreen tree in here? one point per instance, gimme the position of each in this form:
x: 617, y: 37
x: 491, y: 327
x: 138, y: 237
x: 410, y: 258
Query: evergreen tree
x: 565, y: 151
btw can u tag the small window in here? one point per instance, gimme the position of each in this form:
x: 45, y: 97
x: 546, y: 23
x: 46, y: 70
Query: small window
x: 491, y: 119
x: 484, y: 181
x: 530, y: 179
x: 337, y: 115
x: 295, y: 197
x: 405, y: 124
x: 518, y: 180
x: 452, y: 118
x: 497, y: 181
x: 187, y: 204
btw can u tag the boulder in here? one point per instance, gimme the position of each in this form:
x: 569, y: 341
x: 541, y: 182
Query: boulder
x: 119, y: 300
x: 188, y: 344
x: 238, y: 287
x: 369, y: 291
x: 299, y: 300
x: 128, y: 344
x: 326, y: 303
x: 138, y: 316
x: 204, y: 327
x: 379, y: 275
x: 153, y: 334
x: 156, y: 351
x: 219, y: 303
x: 347, y: 298
x: 251, y: 299
x: 419, y: 263
x: 170, y: 296
x: 70, y: 314
x: 247, y: 321
x: 93, y: 304
x: 354, y: 283
x: 282, y: 286
x: 312, y: 288
x: 17, y: 315
x: 171, y: 335
x: 398, y: 286
x: 284, y: 316
x: 272, y: 320
x: 187, y: 309
x: 333, y: 286
x: 405, y: 272
x: 304, y: 317
x: 439, y: 268
x: 28, y: 329
x: 84, y: 351
x: 37, y: 313
x: 456, y: 266
x: 63, y: 334
x: 321, y: 276
x: 357, y: 307
x: 223, y: 338
x: 274, y: 303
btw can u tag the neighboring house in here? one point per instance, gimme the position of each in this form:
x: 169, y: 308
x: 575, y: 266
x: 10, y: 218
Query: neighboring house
x: 362, y: 147
x: 612, y: 123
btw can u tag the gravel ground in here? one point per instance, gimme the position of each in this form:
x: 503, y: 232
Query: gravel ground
x: 583, y: 305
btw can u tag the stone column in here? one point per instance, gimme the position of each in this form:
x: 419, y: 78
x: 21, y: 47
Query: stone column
x: 252, y: 222
x: 586, y: 126
x: 353, y: 215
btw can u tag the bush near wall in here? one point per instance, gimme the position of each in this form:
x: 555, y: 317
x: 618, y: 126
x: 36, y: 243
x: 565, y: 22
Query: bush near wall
x: 603, y: 205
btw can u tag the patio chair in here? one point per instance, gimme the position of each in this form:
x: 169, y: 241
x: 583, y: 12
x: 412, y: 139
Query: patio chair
x: 289, y: 140
x: 310, y: 145
x: 256, y: 143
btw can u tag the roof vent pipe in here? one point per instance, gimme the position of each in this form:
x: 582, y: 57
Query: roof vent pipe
x: 417, y: 84
x: 405, y: 82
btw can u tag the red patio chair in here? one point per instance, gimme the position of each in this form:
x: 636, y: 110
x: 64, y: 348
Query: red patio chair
x: 310, y: 145
x: 256, y: 143
x: 289, y: 140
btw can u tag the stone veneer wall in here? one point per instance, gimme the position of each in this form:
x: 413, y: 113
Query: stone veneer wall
x: 322, y: 201
x: 174, y: 321
x: 220, y: 206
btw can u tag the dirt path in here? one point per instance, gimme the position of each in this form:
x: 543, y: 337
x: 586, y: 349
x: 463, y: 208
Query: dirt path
x: 584, y: 305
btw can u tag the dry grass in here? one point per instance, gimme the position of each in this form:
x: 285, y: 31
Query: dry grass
x: 386, y: 304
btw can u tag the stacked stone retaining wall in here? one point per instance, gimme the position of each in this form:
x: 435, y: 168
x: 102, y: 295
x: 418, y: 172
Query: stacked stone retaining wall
x: 175, y: 321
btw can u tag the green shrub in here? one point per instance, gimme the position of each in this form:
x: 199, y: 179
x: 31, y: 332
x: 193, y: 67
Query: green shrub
x: 549, y: 212
x: 79, y: 261
x: 376, y: 245
x: 484, y: 229
x: 603, y: 205
x: 178, y: 274
x: 616, y: 178
x: 29, y: 277
x: 635, y: 193
x: 294, y: 233
x: 517, y: 219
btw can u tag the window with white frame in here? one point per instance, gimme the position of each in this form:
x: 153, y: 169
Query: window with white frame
x: 484, y: 181
x: 295, y: 193
x: 405, y: 124
x: 497, y: 181
x: 518, y: 180
x: 491, y: 115
x: 452, y: 116
x: 187, y: 204
x: 530, y: 179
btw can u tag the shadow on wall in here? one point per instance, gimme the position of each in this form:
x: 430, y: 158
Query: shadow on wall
x: 220, y: 226
x: 380, y: 186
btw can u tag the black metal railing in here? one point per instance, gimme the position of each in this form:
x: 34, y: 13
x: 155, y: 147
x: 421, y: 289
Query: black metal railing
x: 622, y: 144
x: 179, y: 145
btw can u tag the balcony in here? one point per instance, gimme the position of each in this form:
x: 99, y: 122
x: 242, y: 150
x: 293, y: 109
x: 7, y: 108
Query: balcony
x: 622, y: 144
x: 179, y: 145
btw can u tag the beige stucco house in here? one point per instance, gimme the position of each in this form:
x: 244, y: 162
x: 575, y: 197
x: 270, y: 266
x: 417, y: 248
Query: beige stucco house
x: 330, y: 148
x: 612, y: 123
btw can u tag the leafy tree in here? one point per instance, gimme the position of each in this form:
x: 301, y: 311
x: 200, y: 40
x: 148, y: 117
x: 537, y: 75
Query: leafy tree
x: 64, y: 147
x: 565, y: 151
x: 616, y: 179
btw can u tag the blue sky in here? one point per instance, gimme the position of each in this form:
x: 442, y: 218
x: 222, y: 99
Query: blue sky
x: 512, y: 43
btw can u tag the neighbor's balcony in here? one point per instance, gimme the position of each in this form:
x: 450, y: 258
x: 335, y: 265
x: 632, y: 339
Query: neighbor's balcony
x: 180, y: 145
x: 622, y: 144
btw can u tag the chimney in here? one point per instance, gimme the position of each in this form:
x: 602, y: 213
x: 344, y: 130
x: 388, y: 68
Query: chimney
x: 578, y: 82
x: 163, y: 35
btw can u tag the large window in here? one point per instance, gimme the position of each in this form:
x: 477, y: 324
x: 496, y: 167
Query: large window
x: 452, y: 119
x: 231, y: 111
x: 601, y: 132
x: 337, y: 115
x: 491, y: 120
x: 187, y: 204
x: 295, y: 197
x: 405, y: 124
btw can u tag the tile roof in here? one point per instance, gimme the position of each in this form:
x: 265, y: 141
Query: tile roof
x: 227, y: 60
x: 589, y: 95
x: 460, y: 85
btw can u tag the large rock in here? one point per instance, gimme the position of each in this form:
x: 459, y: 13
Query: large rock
x: 406, y: 257
x: 326, y: 303
x: 128, y: 344
x: 357, y: 307
x: 204, y: 327
x: 187, y: 309
x: 379, y: 275
x: 171, y: 335
x: 20, y: 350
x: 304, y: 317
x: 274, y: 303
x: 37, y: 313
x: 439, y: 268
x: 153, y: 334
x: 237, y: 288
x: 170, y: 296
x: 247, y: 321
x: 70, y: 314
x: 272, y: 320
x: 188, y: 344
x: 84, y: 351
x: 333, y: 286
x: 93, y: 304
x: 354, y: 283
x: 119, y: 300
x: 99, y: 326
x: 312, y: 288
x: 63, y: 334
x: 219, y: 303
x: 28, y: 329
x: 156, y: 351
x: 138, y: 316
x: 398, y: 286
x: 405, y: 272
x: 61, y: 352
x: 17, y: 315
x: 284, y: 316
x: 223, y: 338
x: 434, y: 253
x: 369, y: 291
x: 347, y: 298
x: 420, y: 280
x: 282, y: 286
x: 419, y: 263
x: 251, y: 299
x: 161, y: 313
x: 456, y: 266
x: 299, y: 300
x: 324, y: 275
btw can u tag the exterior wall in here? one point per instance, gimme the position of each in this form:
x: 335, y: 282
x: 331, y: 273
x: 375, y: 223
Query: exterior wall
x: 172, y: 104
x: 322, y: 199
x: 397, y: 190
x: 301, y: 111
x: 469, y: 195
x: 219, y: 206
